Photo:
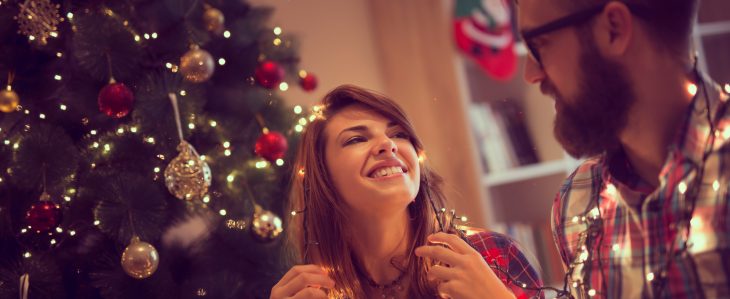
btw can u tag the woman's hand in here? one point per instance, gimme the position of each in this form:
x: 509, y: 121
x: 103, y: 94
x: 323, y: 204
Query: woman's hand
x: 464, y: 273
x: 304, y: 281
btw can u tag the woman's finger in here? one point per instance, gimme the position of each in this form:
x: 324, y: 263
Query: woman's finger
x: 299, y: 269
x: 310, y: 293
x: 305, y: 280
x: 453, y: 241
x: 442, y: 273
x: 439, y: 253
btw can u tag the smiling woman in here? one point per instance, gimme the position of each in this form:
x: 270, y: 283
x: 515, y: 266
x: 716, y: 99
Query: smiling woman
x: 367, y: 224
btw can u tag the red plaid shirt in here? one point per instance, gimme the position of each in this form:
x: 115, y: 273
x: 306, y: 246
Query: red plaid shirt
x: 501, y: 251
x: 625, y: 239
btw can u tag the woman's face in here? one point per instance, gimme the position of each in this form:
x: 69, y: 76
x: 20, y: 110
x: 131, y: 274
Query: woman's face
x: 371, y: 161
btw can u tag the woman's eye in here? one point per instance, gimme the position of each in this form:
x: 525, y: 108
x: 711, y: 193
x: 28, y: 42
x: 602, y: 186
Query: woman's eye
x: 355, y: 139
x: 403, y: 135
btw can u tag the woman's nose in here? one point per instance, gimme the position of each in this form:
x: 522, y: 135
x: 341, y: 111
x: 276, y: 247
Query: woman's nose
x: 385, y: 146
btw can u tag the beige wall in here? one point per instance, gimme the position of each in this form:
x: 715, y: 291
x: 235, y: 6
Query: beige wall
x: 336, y: 43
x: 404, y: 49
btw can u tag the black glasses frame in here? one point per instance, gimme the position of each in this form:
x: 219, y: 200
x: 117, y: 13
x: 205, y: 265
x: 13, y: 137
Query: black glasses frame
x: 573, y: 20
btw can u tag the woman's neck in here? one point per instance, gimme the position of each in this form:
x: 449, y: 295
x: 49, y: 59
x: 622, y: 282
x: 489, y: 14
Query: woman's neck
x: 380, y: 240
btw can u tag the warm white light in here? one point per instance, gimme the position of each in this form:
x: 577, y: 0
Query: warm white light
x: 154, y: 35
x: 53, y: 241
x: 279, y: 162
x: 72, y: 233
x: 120, y: 131
x: 283, y: 86
x: 151, y: 140
x: 591, y: 292
x: 95, y: 145
x: 230, y: 178
x: 67, y: 198
x: 27, y: 254
x: 57, y: 77
x: 277, y: 41
x: 146, y: 36
x: 213, y: 123
x: 206, y: 199
x: 696, y: 222
x: 59, y: 229
x: 227, y: 152
x: 226, y: 34
x: 156, y: 170
x: 302, y: 121
x: 226, y: 144
x: 59, y: 54
x: 42, y: 116
x: 53, y: 34
x: 191, y: 126
x: 133, y: 129
x: 298, y: 128
x: 293, y: 213
x: 107, y: 147
x: 137, y: 38
x: 70, y: 16
x: 63, y: 107
x: 692, y: 89
x: 183, y: 92
x: 16, y: 146
x: 298, y: 109
x: 93, y: 132
x: 727, y: 88
x: 221, y: 61
x: 30, y: 37
x: 682, y: 187
x: 97, y: 222
x: 168, y: 65
x: 222, y: 212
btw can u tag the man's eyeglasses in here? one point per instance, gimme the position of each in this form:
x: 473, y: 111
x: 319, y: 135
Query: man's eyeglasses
x: 572, y: 20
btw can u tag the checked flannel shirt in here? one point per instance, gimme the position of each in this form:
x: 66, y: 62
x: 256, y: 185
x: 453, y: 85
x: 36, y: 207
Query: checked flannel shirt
x: 645, y: 243
x: 502, y: 251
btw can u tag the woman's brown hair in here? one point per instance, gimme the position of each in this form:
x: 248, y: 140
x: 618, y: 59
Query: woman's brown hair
x: 318, y: 232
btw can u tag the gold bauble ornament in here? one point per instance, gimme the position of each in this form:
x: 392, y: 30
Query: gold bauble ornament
x: 214, y: 20
x: 188, y: 176
x: 9, y: 100
x: 266, y: 225
x: 197, y: 65
x: 140, y: 259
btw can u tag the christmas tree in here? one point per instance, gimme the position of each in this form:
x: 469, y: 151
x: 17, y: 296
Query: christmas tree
x: 144, y: 152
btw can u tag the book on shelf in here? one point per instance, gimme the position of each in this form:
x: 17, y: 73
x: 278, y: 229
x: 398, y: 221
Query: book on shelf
x: 501, y: 135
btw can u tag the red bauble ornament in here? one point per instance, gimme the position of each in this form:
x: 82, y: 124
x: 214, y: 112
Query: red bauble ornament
x: 115, y: 99
x: 43, y: 215
x: 308, y: 82
x: 269, y: 74
x: 271, y: 146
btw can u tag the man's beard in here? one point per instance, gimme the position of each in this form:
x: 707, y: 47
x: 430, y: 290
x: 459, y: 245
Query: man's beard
x: 591, y: 124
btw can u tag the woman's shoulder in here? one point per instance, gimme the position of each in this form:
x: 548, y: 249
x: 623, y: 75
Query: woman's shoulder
x: 490, y: 243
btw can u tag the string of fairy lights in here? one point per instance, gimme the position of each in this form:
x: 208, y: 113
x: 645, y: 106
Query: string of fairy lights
x: 104, y: 145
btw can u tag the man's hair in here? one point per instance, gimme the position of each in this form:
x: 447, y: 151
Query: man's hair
x: 669, y: 22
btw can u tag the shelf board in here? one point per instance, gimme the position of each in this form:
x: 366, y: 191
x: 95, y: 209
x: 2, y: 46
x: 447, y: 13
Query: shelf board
x: 525, y: 173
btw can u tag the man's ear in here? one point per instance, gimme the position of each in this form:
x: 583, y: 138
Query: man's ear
x: 614, y: 29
